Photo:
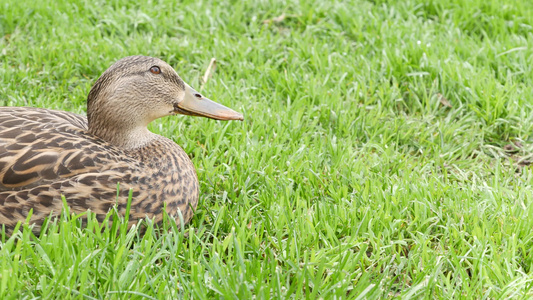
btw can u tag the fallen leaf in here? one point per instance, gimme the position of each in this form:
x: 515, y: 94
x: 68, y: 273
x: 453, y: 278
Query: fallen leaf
x: 200, y: 144
x: 275, y: 20
x: 443, y: 100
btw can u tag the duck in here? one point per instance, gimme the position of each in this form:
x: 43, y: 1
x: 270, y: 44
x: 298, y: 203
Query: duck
x: 98, y: 161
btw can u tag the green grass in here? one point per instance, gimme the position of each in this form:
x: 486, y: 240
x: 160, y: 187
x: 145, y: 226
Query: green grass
x: 348, y: 178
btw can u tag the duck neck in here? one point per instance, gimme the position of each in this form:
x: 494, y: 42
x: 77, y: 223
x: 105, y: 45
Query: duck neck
x: 124, y: 128
x: 125, y: 138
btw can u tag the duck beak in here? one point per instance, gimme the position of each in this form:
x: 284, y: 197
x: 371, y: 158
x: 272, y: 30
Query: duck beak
x: 194, y: 104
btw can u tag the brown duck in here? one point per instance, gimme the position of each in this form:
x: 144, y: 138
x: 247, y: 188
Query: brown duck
x: 45, y: 154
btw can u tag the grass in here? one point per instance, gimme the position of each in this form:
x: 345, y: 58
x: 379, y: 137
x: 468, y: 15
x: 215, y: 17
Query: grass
x: 376, y: 158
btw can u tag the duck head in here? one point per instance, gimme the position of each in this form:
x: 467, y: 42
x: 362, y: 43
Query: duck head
x: 137, y: 90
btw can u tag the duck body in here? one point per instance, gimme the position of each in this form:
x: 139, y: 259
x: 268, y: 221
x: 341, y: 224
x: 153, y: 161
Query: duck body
x: 46, y: 154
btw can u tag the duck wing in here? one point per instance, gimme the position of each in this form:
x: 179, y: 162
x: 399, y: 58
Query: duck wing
x: 41, y: 146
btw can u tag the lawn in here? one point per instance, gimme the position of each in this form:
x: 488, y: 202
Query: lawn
x: 385, y: 151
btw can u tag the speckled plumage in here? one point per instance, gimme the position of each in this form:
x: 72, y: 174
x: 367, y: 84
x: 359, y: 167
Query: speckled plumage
x: 45, y: 153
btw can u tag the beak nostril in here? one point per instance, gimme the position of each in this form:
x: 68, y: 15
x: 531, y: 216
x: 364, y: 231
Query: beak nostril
x: 198, y: 96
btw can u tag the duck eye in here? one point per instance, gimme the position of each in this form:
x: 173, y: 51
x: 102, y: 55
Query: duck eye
x: 155, y: 70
